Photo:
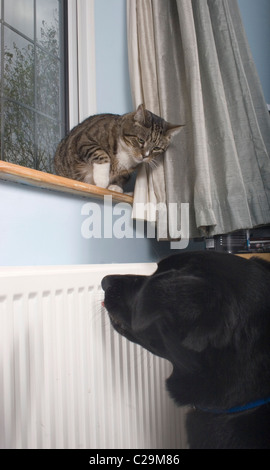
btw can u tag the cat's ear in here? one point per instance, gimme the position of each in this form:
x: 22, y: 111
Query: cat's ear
x: 140, y: 114
x: 173, y: 129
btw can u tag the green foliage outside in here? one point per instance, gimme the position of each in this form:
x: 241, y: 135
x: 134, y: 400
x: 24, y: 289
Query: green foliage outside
x: 32, y: 100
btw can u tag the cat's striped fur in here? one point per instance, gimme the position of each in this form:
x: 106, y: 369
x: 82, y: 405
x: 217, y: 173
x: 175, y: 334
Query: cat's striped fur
x: 105, y: 149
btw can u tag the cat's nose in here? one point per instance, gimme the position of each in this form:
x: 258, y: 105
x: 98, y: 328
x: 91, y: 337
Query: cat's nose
x: 146, y: 154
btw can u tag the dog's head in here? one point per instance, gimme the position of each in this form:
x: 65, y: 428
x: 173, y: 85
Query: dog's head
x: 192, y: 307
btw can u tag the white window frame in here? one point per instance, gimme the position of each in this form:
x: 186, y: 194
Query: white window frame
x: 82, y: 60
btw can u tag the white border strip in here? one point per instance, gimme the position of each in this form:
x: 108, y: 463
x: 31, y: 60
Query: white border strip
x: 7, y: 272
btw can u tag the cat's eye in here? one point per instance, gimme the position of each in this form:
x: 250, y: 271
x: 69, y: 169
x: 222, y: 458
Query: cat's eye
x: 158, y: 149
x: 141, y: 141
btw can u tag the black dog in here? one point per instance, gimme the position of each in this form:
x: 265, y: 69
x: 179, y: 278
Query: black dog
x: 209, y: 314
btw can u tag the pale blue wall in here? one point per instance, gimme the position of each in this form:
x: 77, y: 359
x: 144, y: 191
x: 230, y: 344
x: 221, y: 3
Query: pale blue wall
x: 113, y: 90
x: 41, y: 227
x: 256, y: 19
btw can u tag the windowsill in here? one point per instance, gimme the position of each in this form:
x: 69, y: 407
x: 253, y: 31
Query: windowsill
x: 39, y: 179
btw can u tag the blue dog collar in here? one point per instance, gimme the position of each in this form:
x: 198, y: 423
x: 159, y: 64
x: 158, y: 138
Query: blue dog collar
x: 237, y: 409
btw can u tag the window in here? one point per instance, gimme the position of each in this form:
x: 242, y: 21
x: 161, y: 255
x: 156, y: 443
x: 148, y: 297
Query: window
x: 33, y: 81
x: 44, y: 45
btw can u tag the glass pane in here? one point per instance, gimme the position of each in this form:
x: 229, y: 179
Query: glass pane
x: 48, y: 137
x: 19, y: 135
x: 18, y: 68
x: 20, y: 15
x: 48, y: 84
x: 32, y: 82
x: 48, y: 25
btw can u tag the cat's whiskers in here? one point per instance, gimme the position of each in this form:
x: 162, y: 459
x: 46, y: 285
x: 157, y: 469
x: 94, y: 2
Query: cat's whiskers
x: 153, y: 164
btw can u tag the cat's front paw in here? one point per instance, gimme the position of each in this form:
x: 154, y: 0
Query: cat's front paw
x: 101, y: 174
x: 115, y: 187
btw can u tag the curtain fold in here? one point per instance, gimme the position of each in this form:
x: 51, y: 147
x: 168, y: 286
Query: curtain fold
x: 190, y: 62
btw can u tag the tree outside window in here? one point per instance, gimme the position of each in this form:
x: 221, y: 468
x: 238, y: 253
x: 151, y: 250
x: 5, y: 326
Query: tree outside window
x: 33, y: 111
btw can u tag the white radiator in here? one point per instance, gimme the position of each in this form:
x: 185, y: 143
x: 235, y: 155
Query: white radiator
x: 67, y: 379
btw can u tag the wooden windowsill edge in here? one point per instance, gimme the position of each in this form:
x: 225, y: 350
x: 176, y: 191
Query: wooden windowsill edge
x: 265, y: 256
x: 40, y: 179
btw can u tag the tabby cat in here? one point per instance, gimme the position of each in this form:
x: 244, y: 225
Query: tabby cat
x: 105, y: 149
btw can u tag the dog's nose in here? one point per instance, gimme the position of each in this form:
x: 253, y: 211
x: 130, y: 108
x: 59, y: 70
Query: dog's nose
x: 105, y: 282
